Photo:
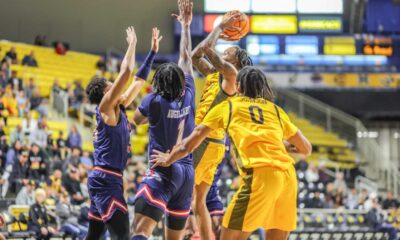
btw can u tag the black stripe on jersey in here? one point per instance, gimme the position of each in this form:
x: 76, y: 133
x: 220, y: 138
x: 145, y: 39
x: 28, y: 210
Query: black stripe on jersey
x: 279, y: 116
x: 199, y: 153
x: 218, y: 99
x: 242, y: 202
x: 230, y: 116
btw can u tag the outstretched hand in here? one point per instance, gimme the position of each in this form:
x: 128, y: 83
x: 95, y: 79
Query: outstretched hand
x: 185, y: 12
x: 155, y: 40
x: 159, y: 158
x: 131, y: 35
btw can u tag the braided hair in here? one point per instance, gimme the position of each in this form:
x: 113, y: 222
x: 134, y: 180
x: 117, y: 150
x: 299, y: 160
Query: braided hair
x: 254, y: 83
x: 243, y: 58
x: 95, y: 90
x: 169, y: 81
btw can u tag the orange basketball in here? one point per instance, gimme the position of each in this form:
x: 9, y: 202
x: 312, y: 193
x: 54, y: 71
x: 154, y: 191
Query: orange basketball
x: 238, y: 29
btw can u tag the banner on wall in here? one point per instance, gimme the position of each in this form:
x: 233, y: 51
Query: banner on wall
x: 316, y: 24
x: 281, y: 24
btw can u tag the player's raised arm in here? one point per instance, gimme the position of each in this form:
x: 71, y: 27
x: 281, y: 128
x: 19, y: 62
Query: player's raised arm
x: 227, y: 69
x: 112, y: 97
x: 182, y: 149
x: 143, y: 72
x: 185, y: 48
x: 199, y: 61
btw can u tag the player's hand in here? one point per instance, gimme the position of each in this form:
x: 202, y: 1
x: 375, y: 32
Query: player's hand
x: 229, y: 19
x: 131, y: 35
x: 155, y: 40
x: 159, y: 158
x: 185, y: 12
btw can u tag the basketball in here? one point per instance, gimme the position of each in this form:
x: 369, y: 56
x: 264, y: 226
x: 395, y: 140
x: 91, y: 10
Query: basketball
x: 238, y: 29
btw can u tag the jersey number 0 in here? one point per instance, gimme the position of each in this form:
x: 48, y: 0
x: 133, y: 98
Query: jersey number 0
x: 256, y: 114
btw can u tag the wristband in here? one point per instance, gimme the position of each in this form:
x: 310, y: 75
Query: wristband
x: 145, y: 69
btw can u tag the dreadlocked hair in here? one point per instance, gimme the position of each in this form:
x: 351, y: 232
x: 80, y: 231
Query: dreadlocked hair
x: 243, y: 58
x: 95, y: 90
x: 169, y: 81
x: 254, y: 83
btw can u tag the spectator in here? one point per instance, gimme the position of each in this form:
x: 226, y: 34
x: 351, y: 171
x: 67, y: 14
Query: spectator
x: 74, y: 160
x: 30, y: 60
x: 68, y: 219
x: 9, y: 101
x: 38, y: 103
x: 3, y: 152
x: 60, y: 49
x: 15, y: 82
x: 71, y: 183
x: 312, y: 174
x: 390, y: 202
x: 352, y: 198
x: 29, y: 124
x: 56, y: 85
x: 3, y: 111
x: 376, y: 222
x: 11, y: 56
x: 101, y: 64
x: 54, y: 181
x: 315, y: 201
x: 12, y: 153
x: 74, y: 138
x: 37, y: 162
x: 26, y: 196
x: 61, y: 146
x: 40, y: 40
x: 86, y: 161
x: 30, y: 88
x: 17, y: 174
x: 38, y: 218
x: 2, y: 133
x: 39, y: 136
x: 3, y: 79
x: 22, y: 103
x: 340, y: 182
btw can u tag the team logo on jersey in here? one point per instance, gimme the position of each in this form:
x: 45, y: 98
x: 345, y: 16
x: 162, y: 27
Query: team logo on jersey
x: 151, y: 174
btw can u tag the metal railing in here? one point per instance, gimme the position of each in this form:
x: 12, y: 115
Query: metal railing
x: 59, y: 101
x: 377, y: 166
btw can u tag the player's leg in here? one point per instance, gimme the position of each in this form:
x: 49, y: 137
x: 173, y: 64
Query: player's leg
x: 146, y: 219
x: 276, y: 234
x: 228, y: 234
x: 200, y: 210
x: 118, y: 225
x: 216, y: 226
x: 175, y: 228
x: 96, y: 230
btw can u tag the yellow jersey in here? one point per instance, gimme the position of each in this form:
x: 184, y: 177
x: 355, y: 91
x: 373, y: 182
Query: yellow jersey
x: 212, y: 96
x: 257, y: 128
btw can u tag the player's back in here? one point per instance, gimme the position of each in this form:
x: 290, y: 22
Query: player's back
x: 212, y: 96
x: 257, y: 128
x: 170, y: 120
x: 112, y: 143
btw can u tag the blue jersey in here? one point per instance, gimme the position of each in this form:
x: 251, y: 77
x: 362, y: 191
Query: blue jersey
x: 112, y: 144
x: 170, y: 121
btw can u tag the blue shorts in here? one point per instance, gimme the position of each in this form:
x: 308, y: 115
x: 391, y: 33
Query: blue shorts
x: 106, y: 194
x: 213, y: 202
x: 169, y: 189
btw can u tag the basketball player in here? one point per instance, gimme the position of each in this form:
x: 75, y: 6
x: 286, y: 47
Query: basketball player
x: 111, y: 141
x: 220, y: 72
x: 259, y: 132
x: 170, y: 111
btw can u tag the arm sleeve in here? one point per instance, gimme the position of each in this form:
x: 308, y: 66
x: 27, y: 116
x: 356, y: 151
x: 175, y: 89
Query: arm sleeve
x: 218, y: 117
x: 289, y: 129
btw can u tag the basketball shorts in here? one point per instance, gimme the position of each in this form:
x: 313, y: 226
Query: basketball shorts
x: 206, y: 158
x: 214, y: 203
x: 170, y: 190
x: 106, y: 194
x: 266, y: 199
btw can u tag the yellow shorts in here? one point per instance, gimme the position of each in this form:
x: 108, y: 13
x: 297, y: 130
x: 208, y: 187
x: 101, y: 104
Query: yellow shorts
x: 206, y: 158
x: 266, y: 199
